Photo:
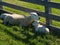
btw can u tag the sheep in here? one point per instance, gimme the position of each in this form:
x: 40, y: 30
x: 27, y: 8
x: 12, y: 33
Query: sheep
x: 2, y: 16
x: 22, y: 20
x: 40, y: 28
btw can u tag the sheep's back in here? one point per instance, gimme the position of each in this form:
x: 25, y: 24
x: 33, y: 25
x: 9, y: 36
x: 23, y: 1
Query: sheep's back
x: 23, y: 20
x: 16, y: 16
x: 17, y: 19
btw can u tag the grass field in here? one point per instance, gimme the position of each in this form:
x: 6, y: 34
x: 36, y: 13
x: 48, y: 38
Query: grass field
x: 17, y: 35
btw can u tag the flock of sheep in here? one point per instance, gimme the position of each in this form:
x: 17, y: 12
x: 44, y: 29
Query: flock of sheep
x: 15, y: 19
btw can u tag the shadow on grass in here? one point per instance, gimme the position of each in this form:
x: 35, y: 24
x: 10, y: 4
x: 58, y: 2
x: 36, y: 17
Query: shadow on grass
x: 54, y: 33
x: 32, y: 1
x: 26, y: 31
x: 28, y: 36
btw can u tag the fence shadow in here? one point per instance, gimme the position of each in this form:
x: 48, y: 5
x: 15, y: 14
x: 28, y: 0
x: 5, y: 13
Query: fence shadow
x: 42, y: 2
x: 33, y: 1
x: 22, y: 8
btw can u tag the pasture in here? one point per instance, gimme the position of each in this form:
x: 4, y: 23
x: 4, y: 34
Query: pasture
x: 17, y: 35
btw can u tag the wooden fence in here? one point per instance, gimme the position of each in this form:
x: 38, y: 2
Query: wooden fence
x: 47, y: 14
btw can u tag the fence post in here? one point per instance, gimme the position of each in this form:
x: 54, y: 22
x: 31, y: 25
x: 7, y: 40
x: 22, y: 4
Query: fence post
x: 47, y: 11
x: 0, y: 4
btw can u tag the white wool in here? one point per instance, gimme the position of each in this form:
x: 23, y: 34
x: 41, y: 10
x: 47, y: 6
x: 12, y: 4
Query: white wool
x: 40, y: 28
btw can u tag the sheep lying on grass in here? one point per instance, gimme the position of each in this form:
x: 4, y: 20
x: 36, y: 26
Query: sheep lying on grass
x: 22, y: 20
x: 40, y: 28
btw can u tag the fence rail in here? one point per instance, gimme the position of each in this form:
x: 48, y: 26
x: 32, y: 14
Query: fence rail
x: 47, y: 14
x: 44, y: 3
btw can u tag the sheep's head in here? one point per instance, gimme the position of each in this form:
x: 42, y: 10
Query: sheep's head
x: 34, y: 16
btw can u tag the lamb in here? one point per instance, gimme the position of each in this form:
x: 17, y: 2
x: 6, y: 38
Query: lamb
x: 22, y: 20
x: 40, y: 28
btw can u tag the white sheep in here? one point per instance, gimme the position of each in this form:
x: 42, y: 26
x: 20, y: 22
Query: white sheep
x: 22, y: 20
x: 40, y: 28
x: 2, y: 16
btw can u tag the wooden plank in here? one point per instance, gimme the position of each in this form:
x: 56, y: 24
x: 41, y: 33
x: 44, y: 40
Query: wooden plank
x: 48, y: 11
x: 54, y: 5
x: 54, y: 29
x: 53, y: 17
x: 42, y: 2
x: 50, y: 4
x: 35, y: 1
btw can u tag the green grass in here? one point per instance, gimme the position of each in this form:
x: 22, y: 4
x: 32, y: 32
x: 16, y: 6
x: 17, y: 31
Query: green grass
x: 17, y: 35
